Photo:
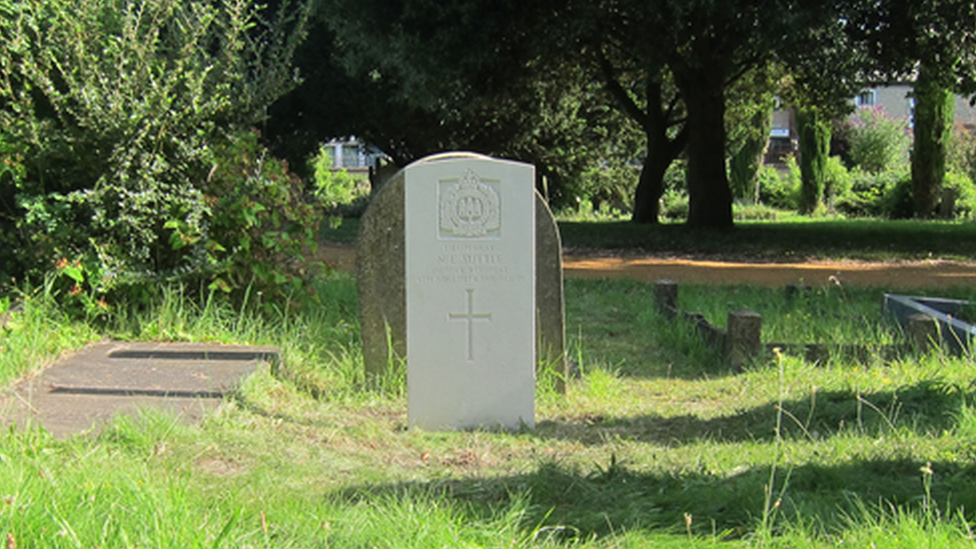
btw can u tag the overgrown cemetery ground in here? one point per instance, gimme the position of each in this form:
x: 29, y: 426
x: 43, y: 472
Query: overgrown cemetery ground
x: 656, y: 443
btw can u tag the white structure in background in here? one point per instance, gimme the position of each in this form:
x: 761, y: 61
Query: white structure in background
x: 354, y: 155
x: 894, y: 100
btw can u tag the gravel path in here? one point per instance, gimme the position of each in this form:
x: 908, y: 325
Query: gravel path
x: 898, y: 274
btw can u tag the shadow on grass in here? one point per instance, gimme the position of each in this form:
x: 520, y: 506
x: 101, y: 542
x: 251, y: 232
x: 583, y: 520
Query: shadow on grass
x: 926, y: 407
x: 782, y: 241
x: 761, y: 242
x: 612, y: 499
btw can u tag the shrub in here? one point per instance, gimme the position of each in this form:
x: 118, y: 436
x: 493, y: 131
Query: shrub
x: 965, y: 191
x: 119, y: 106
x: 611, y: 183
x: 886, y: 194
x: 674, y: 205
x: 747, y: 211
x: 261, y: 228
x: 12, y: 173
x: 877, y: 143
x: 674, y: 200
x: 897, y: 202
x: 779, y: 190
x: 837, y: 181
x: 961, y: 152
x: 676, y: 176
x: 342, y: 194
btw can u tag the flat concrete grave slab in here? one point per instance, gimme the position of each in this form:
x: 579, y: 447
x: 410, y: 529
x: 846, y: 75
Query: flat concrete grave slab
x: 92, y: 385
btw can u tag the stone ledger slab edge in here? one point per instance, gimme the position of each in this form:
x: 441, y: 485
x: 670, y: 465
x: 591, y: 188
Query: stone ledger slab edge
x: 117, y: 367
x: 65, y: 400
x: 957, y: 334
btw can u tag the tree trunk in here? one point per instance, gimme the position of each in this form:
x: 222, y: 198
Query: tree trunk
x: 661, y: 152
x: 933, y: 129
x: 709, y: 196
x: 814, y: 150
x: 650, y: 187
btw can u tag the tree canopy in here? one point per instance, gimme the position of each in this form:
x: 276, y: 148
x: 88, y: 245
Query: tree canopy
x: 536, y: 80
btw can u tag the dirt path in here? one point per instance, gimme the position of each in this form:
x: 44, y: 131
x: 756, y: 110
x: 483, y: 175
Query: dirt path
x: 900, y: 274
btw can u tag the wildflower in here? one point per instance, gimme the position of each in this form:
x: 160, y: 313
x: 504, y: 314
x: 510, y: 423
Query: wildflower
x: 75, y: 291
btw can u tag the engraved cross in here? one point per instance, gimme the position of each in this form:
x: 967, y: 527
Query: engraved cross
x: 470, y: 316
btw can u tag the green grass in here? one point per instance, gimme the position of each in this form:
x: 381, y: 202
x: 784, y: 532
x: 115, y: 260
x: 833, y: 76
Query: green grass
x: 653, y: 446
x: 340, y: 230
x: 795, y: 239
x: 36, y: 333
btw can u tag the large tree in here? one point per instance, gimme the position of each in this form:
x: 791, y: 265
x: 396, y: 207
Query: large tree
x: 705, y: 46
x: 485, y: 74
x: 641, y: 88
x: 416, y: 77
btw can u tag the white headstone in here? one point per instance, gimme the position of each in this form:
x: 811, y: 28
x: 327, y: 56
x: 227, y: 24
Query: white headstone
x: 470, y: 292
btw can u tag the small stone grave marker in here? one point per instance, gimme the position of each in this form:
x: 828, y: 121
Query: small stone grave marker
x: 450, y: 280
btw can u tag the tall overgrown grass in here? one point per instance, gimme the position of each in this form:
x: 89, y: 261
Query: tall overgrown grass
x: 650, y: 447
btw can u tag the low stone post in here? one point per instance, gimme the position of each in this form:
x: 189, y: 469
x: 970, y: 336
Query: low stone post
x: 744, y: 340
x: 666, y: 298
x: 923, y: 331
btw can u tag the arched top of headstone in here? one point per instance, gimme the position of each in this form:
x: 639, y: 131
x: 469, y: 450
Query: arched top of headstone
x: 453, y: 155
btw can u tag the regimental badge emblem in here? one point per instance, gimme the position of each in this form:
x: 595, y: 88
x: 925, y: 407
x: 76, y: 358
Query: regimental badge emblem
x: 469, y: 207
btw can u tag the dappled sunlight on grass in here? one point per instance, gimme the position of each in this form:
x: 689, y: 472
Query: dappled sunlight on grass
x: 656, y: 443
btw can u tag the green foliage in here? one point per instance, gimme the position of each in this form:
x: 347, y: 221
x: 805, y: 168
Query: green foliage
x: 341, y: 193
x: 12, y: 174
x: 117, y: 107
x: 749, y: 118
x: 747, y: 211
x: 814, y: 131
x: 877, y: 143
x: 674, y: 201
x: 960, y: 171
x: 962, y: 187
x: 260, y: 226
x: 879, y: 183
x: 886, y: 194
x: 610, y: 182
x: 837, y: 181
x: 780, y: 190
x: 961, y: 152
x: 744, y: 168
x: 934, y: 107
